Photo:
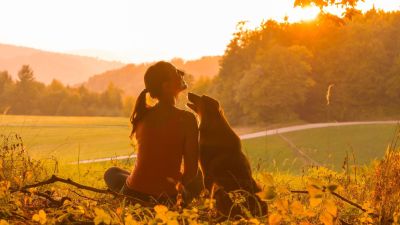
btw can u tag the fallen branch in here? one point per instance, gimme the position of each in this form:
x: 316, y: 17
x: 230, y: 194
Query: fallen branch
x: 348, y: 201
x: 55, y: 179
x: 338, y: 196
x: 19, y: 215
x: 53, y: 202
x: 83, y: 196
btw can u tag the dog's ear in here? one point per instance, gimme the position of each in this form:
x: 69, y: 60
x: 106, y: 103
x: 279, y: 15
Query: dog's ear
x: 212, y: 101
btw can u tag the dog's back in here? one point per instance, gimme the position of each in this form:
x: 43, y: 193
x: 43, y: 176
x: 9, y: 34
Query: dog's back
x: 226, y: 166
x: 223, y: 163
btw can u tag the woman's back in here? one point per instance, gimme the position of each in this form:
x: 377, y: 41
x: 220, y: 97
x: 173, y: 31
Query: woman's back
x: 160, y: 137
x: 165, y: 136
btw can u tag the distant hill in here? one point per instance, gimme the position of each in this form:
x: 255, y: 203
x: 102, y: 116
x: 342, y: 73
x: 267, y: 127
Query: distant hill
x: 130, y: 77
x: 67, y: 68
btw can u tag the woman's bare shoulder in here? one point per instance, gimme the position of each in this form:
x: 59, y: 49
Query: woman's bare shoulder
x: 188, y: 118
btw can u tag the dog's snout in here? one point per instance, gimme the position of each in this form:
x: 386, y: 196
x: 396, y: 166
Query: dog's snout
x: 193, y: 97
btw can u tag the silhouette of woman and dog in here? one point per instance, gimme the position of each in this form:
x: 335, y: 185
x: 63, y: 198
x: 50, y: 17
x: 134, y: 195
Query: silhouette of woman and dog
x: 168, y: 137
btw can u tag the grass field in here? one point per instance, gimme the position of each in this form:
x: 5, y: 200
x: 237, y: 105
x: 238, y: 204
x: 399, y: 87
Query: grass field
x: 327, y: 146
x: 277, y: 165
x: 70, y: 138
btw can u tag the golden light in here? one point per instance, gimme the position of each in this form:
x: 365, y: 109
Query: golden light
x: 142, y: 31
x: 303, y: 14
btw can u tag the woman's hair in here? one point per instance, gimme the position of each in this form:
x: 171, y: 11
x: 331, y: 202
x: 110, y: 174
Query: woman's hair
x: 154, y: 78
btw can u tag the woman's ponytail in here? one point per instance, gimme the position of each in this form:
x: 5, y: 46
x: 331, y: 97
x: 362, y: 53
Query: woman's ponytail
x: 139, y: 111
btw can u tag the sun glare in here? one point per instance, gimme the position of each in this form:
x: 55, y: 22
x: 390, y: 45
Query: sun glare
x: 303, y: 14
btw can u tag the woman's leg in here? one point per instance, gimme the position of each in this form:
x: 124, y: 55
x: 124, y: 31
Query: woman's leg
x: 115, y: 178
x: 147, y: 199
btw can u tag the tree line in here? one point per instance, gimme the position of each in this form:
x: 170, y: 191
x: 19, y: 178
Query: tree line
x: 26, y: 96
x: 332, y: 68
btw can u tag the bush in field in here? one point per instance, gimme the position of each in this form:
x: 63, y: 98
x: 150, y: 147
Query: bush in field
x: 16, y: 166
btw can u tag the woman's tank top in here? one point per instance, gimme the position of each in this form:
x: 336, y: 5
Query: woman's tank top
x: 159, y: 157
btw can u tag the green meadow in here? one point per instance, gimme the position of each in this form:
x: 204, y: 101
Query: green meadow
x: 329, y: 146
x: 71, y: 138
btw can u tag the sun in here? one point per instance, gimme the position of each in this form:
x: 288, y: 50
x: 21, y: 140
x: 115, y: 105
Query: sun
x: 302, y: 14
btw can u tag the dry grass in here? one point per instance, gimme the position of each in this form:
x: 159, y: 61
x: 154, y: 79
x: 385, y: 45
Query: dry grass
x: 387, y: 183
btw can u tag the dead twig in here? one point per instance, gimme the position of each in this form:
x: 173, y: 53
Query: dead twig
x: 348, y: 201
x: 53, y: 202
x: 83, y: 196
x: 338, y: 196
x: 55, y: 179
x: 20, y: 216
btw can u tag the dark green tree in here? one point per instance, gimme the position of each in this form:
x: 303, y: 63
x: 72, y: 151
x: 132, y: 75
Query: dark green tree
x: 27, y: 93
x: 54, y: 94
x: 111, y: 100
x: 276, y: 84
x: 7, y: 88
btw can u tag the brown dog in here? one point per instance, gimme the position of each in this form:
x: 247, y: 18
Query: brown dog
x: 223, y: 163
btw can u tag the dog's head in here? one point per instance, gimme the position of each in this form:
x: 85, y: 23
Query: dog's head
x: 206, y: 107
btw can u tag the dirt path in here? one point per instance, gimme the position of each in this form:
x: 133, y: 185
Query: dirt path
x: 310, y: 126
x: 278, y: 131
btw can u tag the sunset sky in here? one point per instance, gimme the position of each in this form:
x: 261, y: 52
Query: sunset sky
x: 138, y: 31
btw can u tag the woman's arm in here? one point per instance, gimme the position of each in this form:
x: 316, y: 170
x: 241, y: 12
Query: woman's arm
x: 191, y: 149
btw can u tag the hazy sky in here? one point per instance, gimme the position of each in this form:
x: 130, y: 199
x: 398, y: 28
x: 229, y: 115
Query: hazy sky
x: 137, y: 31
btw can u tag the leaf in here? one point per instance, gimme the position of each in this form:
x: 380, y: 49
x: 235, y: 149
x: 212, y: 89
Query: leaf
x: 314, y: 191
x: 4, y: 186
x: 101, y: 217
x: 268, y: 194
x: 282, y: 205
x: 326, y: 218
x: 129, y: 220
x: 274, y: 219
x: 81, y: 210
x: 254, y: 221
x: 309, y: 213
x: 268, y: 179
x: 305, y: 223
x: 160, y: 209
x: 172, y: 222
x: 282, y: 189
x: 315, y: 202
x: 331, y: 207
x: 297, y: 208
x: 3, y: 222
x: 67, y: 202
x: 62, y: 217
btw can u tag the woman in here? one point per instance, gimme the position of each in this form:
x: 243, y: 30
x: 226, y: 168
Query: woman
x: 165, y: 135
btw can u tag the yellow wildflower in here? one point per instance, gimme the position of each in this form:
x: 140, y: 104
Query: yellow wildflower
x: 101, y: 217
x: 129, y: 220
x: 40, y: 217
x: 3, y: 222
